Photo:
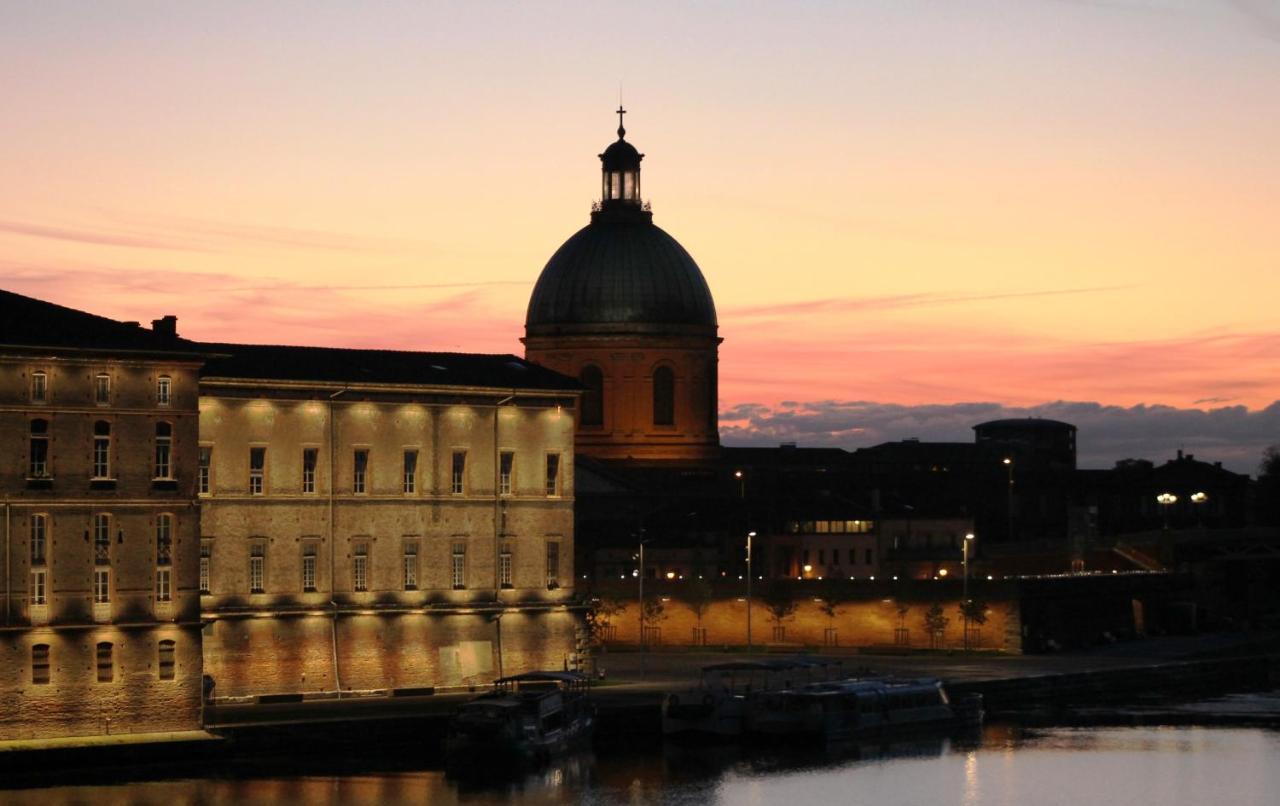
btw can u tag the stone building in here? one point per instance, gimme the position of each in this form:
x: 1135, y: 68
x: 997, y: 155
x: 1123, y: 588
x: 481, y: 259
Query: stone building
x: 383, y: 520
x: 624, y: 308
x: 98, y: 439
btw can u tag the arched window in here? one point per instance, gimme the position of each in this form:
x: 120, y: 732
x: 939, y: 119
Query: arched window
x: 165, y: 664
x: 664, y: 396
x: 106, y: 662
x: 593, y: 398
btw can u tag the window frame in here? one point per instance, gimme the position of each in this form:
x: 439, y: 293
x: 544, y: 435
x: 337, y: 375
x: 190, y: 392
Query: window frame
x: 101, y: 458
x: 258, y: 567
x: 204, y: 470
x: 38, y: 388
x: 101, y: 585
x: 458, y: 473
x: 105, y: 661
x: 258, y: 474
x: 164, y: 391
x: 552, y: 475
x: 458, y: 566
x: 553, y: 564
x: 39, y: 435
x: 360, y: 567
x: 162, y: 470
x: 38, y: 538
x: 310, y: 461
x: 205, y: 575
x: 102, y: 538
x: 409, y: 566
x: 506, y: 473
x: 167, y: 659
x: 164, y: 583
x: 102, y: 389
x: 360, y: 471
x: 41, y: 664
x: 409, y: 476
x: 505, y: 570
x: 39, y: 591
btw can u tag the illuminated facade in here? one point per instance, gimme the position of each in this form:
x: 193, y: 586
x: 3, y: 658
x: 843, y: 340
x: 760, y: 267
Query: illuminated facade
x: 622, y: 307
x: 98, y: 430
x: 367, y: 517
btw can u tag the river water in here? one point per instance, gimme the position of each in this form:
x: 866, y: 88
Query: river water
x: 1005, y: 764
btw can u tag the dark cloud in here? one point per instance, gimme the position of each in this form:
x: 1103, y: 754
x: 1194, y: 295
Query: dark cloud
x: 1233, y: 435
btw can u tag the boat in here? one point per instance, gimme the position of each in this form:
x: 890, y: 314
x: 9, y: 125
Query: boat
x: 717, y: 706
x: 525, y: 719
x: 856, y: 707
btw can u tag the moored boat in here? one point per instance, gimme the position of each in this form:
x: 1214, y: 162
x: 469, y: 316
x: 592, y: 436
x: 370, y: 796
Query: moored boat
x: 526, y: 718
x: 858, y: 707
x: 717, y: 706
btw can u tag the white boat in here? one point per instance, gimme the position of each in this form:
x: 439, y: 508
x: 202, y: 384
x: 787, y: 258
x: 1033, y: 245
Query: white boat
x: 857, y: 707
x: 717, y: 706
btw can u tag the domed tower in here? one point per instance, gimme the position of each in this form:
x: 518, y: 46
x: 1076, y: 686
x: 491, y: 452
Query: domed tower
x: 623, y: 307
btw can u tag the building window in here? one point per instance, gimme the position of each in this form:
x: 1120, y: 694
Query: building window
x: 504, y: 567
x: 164, y: 451
x: 553, y: 474
x: 38, y: 466
x: 257, y: 566
x: 553, y: 565
x: 164, y: 584
x: 360, y: 567
x: 309, y: 458
x: 410, y: 471
x: 459, y: 474
x: 101, y: 586
x: 39, y: 587
x: 204, y: 477
x: 506, y: 461
x: 459, y: 568
x: 309, y: 566
x: 39, y: 387
x: 39, y: 537
x: 206, y: 558
x: 102, y: 389
x: 257, y: 469
x: 166, y: 659
x: 871, y: 556
x: 164, y: 390
x: 410, y: 565
x: 40, y: 664
x: 102, y: 450
x: 853, y: 556
x: 360, y: 468
x: 664, y: 396
x: 106, y: 662
x: 101, y: 538
x: 164, y: 539
x: 592, y: 396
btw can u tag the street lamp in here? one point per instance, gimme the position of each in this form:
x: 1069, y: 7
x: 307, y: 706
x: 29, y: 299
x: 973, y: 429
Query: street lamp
x: 964, y: 565
x: 749, y: 536
x: 1008, y: 465
x: 641, y: 577
x: 1166, y: 500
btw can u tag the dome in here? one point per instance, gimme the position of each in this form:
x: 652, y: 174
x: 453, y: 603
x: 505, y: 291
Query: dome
x: 621, y: 156
x: 621, y: 269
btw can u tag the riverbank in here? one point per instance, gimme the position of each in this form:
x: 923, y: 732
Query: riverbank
x: 1126, y: 684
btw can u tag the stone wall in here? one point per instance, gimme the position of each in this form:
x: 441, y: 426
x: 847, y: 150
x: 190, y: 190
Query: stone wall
x: 75, y: 703
x: 286, y: 655
x: 859, y: 623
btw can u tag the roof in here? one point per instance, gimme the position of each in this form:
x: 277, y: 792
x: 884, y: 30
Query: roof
x: 339, y: 365
x: 620, y: 269
x: 1025, y: 423
x: 544, y: 677
x: 29, y: 322
x: 621, y: 156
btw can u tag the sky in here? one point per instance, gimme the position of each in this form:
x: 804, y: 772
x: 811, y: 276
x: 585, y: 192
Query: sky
x: 914, y: 215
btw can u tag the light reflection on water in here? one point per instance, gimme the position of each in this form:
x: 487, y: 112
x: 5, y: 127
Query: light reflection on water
x: 1006, y: 765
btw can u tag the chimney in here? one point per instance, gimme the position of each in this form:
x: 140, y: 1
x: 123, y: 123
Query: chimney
x: 165, y: 326
x: 1179, y: 454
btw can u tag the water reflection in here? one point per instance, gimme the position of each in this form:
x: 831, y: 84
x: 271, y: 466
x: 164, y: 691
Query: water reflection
x: 1003, y: 765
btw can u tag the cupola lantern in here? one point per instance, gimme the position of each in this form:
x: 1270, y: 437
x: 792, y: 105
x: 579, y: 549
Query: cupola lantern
x: 620, y: 172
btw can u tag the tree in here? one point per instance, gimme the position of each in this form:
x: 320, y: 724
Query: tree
x: 780, y: 605
x: 699, y: 596
x: 935, y: 622
x: 600, y: 613
x: 974, y: 611
x: 654, y: 612
x: 831, y: 596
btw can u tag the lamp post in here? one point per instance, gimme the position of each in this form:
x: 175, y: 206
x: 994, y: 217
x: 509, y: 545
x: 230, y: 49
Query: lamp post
x: 749, y: 536
x: 1008, y: 465
x: 964, y: 565
x: 1198, y: 500
x: 641, y: 602
x: 1166, y: 500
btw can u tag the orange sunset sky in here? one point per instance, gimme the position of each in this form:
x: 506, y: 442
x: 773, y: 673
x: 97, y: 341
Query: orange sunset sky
x: 914, y: 215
